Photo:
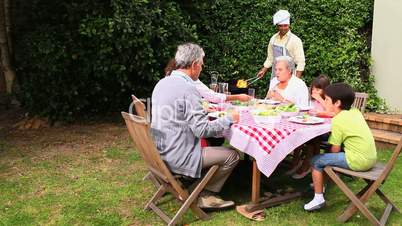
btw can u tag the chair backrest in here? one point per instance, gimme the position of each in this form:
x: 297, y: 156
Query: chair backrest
x: 138, y: 129
x: 140, y: 107
x: 360, y: 101
x: 391, y: 162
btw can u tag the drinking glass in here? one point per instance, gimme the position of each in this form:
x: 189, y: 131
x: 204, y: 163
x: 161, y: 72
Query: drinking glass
x: 223, y: 87
x: 251, y: 92
x: 214, y: 86
x: 214, y: 78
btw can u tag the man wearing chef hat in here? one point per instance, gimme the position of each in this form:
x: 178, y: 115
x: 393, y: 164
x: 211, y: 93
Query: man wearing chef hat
x: 284, y: 43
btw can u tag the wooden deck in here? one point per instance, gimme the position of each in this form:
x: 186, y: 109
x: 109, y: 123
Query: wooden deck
x: 386, y: 128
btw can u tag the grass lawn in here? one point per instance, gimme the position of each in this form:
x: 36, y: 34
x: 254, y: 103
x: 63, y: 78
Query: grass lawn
x: 90, y: 175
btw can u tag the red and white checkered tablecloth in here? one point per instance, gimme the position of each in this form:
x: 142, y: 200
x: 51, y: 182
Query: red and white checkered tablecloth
x: 270, y: 144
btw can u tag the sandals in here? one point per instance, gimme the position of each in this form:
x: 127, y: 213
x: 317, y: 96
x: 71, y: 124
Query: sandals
x: 257, y: 215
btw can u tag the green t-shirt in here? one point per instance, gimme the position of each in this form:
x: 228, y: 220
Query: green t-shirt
x: 350, y: 129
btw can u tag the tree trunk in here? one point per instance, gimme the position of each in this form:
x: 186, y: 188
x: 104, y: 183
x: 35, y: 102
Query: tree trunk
x: 8, y: 71
x: 7, y: 13
x: 2, y: 83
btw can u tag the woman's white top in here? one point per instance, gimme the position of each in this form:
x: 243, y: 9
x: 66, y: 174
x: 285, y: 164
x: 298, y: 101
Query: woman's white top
x: 296, y: 91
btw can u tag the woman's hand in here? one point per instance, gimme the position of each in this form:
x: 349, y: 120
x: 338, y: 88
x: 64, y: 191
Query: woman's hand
x: 244, y: 97
x: 269, y: 95
x: 239, y: 97
x: 277, y: 96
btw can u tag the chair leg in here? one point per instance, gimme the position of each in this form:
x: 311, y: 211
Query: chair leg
x: 193, y: 197
x: 153, y: 179
x: 351, y: 205
x: 158, y: 194
x: 160, y: 213
x: 356, y: 202
x: 386, y: 213
x: 351, y: 209
x: 196, y: 210
x: 386, y: 200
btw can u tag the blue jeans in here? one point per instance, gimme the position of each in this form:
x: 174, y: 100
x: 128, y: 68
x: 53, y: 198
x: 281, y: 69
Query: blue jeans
x: 319, y: 162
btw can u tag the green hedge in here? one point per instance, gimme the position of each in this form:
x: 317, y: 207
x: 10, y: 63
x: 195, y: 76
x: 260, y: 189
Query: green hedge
x: 89, y: 57
x: 84, y: 57
x: 335, y: 36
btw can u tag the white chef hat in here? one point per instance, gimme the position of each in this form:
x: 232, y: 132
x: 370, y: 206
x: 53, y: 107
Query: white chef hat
x: 281, y: 17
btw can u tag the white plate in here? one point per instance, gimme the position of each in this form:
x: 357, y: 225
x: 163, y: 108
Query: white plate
x: 309, y: 121
x: 287, y: 114
x: 217, y: 114
x: 269, y: 101
x: 305, y: 108
x: 267, y: 119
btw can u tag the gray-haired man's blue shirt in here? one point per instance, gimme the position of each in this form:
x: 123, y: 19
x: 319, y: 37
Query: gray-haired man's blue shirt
x: 178, y: 123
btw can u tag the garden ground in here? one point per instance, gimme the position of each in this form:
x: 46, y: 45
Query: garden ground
x: 90, y: 174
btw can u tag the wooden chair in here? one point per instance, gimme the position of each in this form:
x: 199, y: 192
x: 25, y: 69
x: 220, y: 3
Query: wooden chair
x: 138, y: 129
x: 140, y: 108
x: 360, y: 101
x: 374, y: 179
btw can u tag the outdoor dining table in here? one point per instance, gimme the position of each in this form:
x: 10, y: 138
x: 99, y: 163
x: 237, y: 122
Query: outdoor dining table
x: 269, y: 144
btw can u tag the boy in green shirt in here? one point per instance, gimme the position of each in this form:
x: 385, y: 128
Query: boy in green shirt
x: 348, y: 129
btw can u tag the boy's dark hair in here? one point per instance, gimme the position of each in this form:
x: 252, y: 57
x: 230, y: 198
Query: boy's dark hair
x: 320, y: 82
x: 343, y: 92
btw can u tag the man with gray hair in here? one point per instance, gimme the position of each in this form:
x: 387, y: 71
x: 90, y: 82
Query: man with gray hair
x: 179, y: 121
x: 286, y: 87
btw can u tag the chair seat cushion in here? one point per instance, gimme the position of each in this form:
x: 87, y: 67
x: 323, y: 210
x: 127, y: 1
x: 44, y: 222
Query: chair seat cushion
x: 371, y: 174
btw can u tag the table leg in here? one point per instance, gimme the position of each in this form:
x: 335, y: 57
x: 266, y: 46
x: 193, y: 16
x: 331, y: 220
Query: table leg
x: 255, y: 189
x: 255, y: 193
x: 258, y: 203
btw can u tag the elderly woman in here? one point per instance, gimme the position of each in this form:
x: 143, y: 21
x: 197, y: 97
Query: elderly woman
x: 284, y: 86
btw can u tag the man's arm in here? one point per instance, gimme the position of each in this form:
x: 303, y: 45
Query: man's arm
x: 268, y: 61
x: 262, y: 72
x: 299, y: 58
x: 198, y: 121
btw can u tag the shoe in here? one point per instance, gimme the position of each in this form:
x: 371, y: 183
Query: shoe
x: 301, y: 175
x: 213, y: 202
x: 294, y: 169
x: 314, y: 206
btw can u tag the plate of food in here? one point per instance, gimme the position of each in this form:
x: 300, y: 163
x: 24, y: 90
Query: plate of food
x: 217, y: 114
x: 266, y: 116
x: 264, y: 107
x: 269, y: 101
x: 306, y: 119
x: 288, y: 110
x: 239, y: 103
x: 306, y: 108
